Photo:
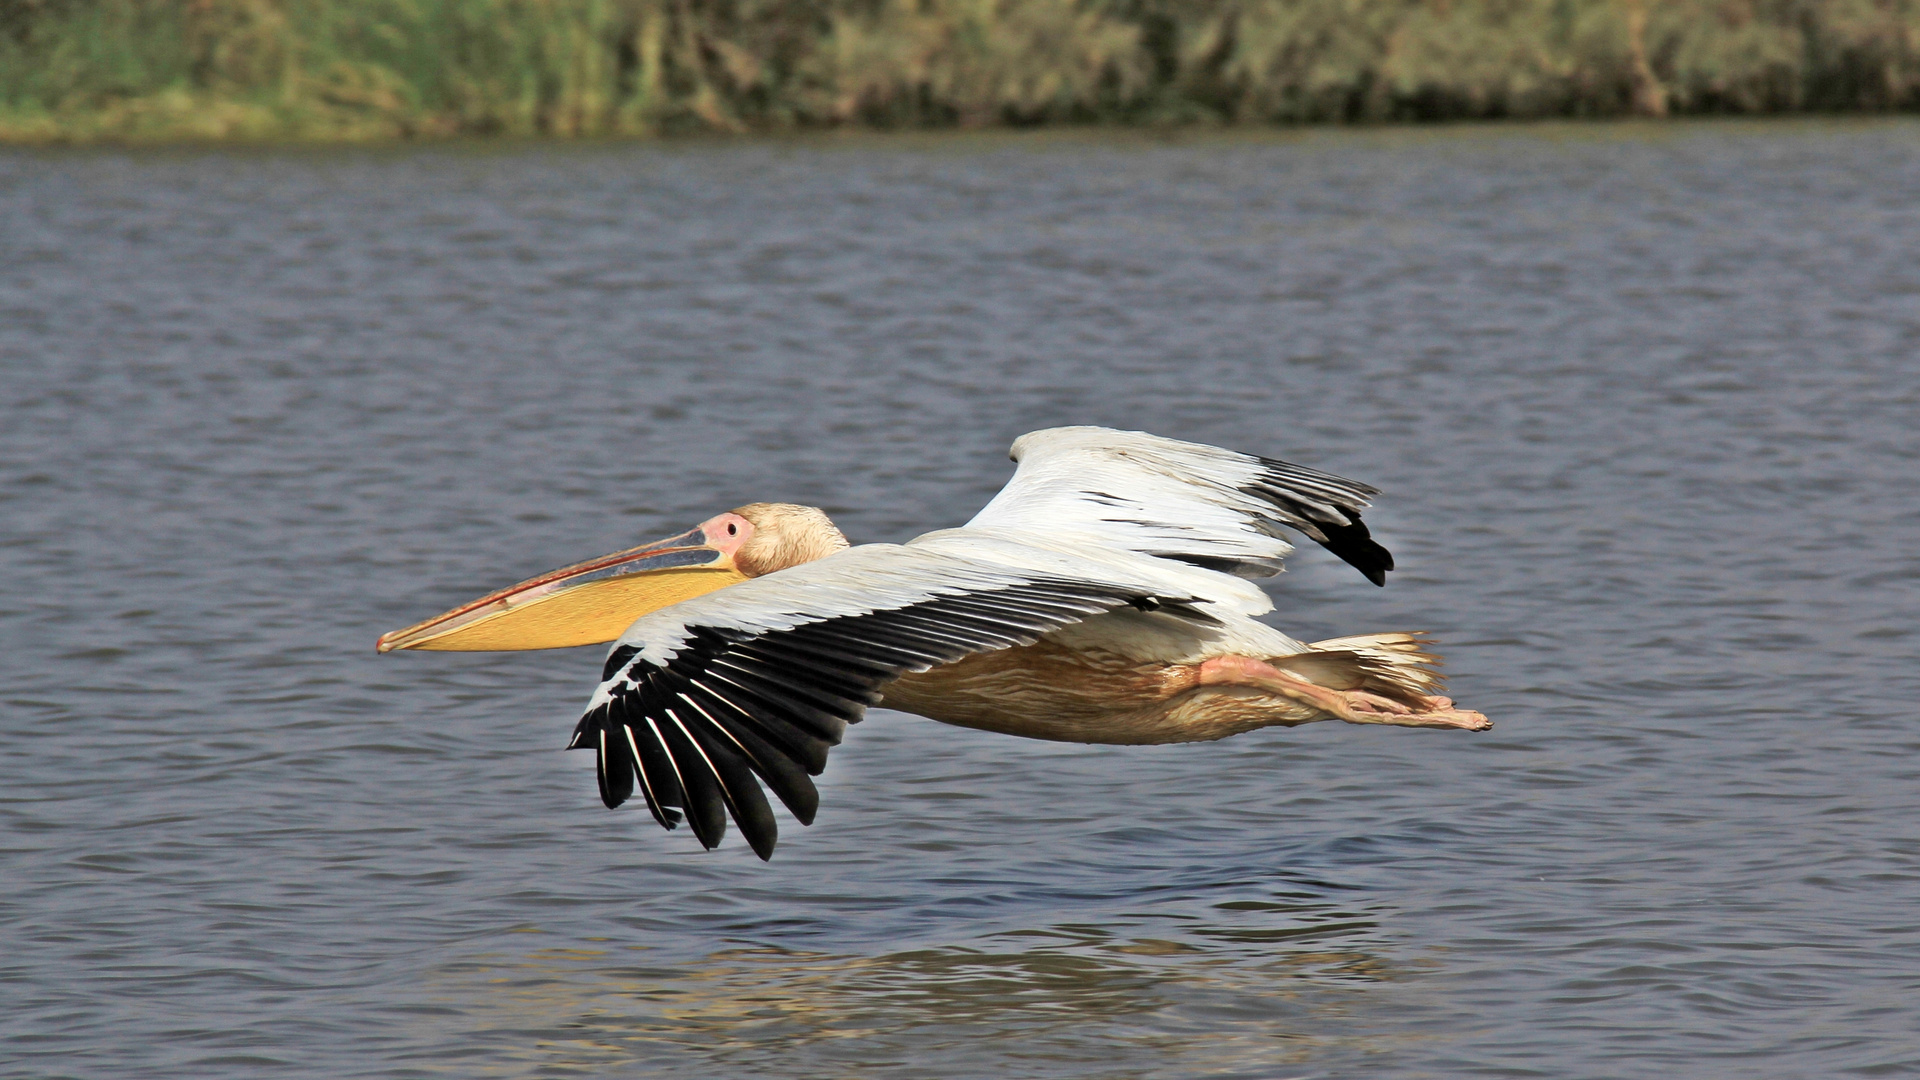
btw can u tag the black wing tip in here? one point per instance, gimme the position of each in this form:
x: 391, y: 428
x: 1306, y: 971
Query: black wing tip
x: 1304, y: 495
x: 762, y: 844
x: 1357, y: 548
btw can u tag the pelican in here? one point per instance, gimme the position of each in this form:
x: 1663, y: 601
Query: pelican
x: 1105, y: 595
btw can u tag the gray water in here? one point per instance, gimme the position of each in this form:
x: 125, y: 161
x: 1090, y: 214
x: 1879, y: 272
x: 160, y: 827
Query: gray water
x: 1643, y: 403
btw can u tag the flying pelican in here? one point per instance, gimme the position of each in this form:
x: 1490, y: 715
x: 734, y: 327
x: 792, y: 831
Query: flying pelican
x: 1103, y: 596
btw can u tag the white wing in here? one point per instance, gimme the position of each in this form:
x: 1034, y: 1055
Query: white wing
x: 763, y: 677
x: 1185, y: 501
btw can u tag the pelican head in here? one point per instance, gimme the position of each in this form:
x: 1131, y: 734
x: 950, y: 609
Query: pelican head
x: 595, y: 601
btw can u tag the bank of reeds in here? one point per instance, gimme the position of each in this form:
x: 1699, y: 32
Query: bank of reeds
x: 348, y: 69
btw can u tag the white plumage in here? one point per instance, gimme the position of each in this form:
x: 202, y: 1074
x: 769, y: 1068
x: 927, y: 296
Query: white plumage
x: 1096, y: 488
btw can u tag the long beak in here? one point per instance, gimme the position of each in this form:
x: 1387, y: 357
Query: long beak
x: 584, y: 604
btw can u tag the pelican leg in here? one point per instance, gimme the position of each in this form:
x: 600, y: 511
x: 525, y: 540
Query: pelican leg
x: 1246, y: 671
x: 1353, y: 706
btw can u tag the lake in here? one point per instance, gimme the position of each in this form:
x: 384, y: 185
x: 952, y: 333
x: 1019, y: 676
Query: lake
x: 1643, y: 401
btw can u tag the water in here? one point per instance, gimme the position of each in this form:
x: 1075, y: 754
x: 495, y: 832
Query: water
x: 1643, y: 401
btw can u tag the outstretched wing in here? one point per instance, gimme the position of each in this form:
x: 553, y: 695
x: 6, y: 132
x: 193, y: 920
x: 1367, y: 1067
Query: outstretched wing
x: 1186, y: 501
x: 762, y: 678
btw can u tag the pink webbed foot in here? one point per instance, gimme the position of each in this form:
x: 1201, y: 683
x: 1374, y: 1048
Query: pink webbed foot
x: 1435, y: 711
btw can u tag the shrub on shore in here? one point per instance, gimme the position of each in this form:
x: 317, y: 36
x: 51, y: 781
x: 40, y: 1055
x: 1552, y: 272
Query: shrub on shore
x: 353, y: 69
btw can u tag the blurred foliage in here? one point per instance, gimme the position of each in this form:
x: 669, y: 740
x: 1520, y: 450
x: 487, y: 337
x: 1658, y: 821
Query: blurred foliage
x: 384, y: 68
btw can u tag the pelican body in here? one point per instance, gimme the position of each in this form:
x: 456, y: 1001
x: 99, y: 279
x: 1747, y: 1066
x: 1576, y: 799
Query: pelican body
x: 1105, y: 595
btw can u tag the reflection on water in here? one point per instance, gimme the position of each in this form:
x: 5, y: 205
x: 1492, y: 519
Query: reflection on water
x: 1227, y: 988
x: 1641, y: 401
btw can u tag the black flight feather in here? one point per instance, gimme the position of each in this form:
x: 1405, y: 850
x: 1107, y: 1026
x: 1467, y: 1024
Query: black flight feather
x: 706, y: 809
x: 1326, y: 508
x: 731, y: 705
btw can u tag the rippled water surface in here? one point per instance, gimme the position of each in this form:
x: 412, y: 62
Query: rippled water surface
x: 1643, y: 402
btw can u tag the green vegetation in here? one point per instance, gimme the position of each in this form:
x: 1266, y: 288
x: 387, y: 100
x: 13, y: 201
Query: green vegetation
x: 355, y: 69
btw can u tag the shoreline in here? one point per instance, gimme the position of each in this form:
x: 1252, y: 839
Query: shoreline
x: 1623, y: 128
